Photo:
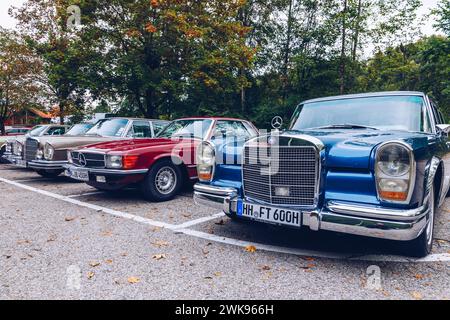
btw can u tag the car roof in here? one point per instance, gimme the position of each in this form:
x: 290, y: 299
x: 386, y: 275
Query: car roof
x: 211, y: 118
x: 131, y: 118
x: 366, y: 95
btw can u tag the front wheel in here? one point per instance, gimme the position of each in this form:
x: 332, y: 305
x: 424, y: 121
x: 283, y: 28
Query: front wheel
x: 163, y: 182
x: 49, y: 173
x: 422, y: 246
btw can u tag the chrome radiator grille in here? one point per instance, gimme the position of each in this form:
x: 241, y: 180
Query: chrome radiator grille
x: 31, y: 147
x: 92, y: 160
x: 269, y: 171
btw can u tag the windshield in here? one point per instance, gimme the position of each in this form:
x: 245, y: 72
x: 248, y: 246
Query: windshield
x: 187, y: 129
x: 109, y: 128
x: 36, y: 131
x: 384, y: 113
x: 79, y: 129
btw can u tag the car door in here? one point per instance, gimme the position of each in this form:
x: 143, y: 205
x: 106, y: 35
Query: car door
x: 443, y: 149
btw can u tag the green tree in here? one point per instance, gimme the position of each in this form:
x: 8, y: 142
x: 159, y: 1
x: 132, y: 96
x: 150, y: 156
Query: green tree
x: 18, y: 71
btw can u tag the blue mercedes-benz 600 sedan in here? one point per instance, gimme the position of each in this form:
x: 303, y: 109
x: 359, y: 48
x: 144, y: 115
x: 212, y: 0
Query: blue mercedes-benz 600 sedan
x: 375, y: 165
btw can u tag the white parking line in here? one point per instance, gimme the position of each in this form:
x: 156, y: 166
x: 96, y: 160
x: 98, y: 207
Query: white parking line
x: 86, y: 194
x: 200, y: 220
x: 439, y: 257
x: 91, y: 206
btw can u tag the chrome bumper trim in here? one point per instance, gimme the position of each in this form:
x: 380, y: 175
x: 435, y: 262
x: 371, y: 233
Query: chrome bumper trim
x: 375, y: 212
x: 355, y: 220
x: 43, y: 164
x: 108, y: 171
x: 217, y: 197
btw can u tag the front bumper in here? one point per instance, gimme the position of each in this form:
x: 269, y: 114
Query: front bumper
x: 111, y: 179
x: 15, y: 160
x: 47, y: 165
x: 349, y: 218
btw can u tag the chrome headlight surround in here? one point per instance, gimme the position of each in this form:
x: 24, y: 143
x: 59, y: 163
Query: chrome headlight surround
x: 114, y: 162
x: 17, y: 148
x: 49, y: 151
x: 395, y: 172
x: 206, y: 161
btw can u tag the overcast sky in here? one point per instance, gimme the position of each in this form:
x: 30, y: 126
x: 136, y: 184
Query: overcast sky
x: 8, y: 22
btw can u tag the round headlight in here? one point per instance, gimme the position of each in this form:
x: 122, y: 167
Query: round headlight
x: 394, y: 160
x: 49, y: 151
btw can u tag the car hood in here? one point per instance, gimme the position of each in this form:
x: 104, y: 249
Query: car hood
x: 69, y: 142
x: 347, y: 148
x: 129, y: 145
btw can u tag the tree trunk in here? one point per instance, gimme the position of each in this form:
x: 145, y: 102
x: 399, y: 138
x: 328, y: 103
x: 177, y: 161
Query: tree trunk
x: 2, y: 127
x: 62, y: 109
x: 356, y: 35
x: 149, y: 105
x: 287, y: 51
x: 344, y: 36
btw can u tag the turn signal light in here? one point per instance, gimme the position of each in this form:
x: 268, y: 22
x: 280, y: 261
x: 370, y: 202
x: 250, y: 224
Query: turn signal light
x: 396, y: 196
x: 129, y: 162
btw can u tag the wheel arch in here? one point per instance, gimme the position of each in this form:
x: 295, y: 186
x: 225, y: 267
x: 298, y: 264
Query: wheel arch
x: 181, y: 164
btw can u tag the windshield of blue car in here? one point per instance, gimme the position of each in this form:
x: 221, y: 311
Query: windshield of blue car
x: 36, y: 131
x: 109, y: 128
x: 79, y: 129
x: 186, y: 129
x: 380, y: 112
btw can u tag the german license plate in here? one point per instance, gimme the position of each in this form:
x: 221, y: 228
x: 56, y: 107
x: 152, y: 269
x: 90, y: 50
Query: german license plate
x: 78, y: 174
x: 270, y: 214
x: 21, y: 163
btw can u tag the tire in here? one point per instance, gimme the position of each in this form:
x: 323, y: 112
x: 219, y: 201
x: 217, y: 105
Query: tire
x: 2, y: 151
x: 49, y: 173
x: 163, y: 181
x: 422, y: 246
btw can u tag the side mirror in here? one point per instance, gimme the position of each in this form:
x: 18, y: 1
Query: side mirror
x: 443, y: 128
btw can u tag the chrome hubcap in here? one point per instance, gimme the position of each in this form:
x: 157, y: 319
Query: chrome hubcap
x: 166, y: 180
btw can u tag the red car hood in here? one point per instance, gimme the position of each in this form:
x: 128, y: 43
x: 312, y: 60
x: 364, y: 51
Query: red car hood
x: 126, y: 146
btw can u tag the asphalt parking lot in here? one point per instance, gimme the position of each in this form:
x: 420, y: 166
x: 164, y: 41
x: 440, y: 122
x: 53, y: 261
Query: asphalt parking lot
x: 60, y: 239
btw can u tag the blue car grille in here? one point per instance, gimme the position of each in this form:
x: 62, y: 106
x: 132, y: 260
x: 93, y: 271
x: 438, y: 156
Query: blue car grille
x: 269, y: 171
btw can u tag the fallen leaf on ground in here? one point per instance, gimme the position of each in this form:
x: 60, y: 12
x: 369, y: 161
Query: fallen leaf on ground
x: 109, y: 261
x: 419, y: 276
x: 133, y: 280
x: 68, y: 219
x: 417, y: 295
x: 107, y: 234
x: 217, y: 274
x: 159, y: 256
x: 265, y: 268
x: 220, y: 223
x: 187, y: 215
x: 160, y: 243
x: 155, y: 229
x: 94, y: 264
x: 90, y: 275
x: 124, y: 254
x: 208, y: 278
x: 24, y: 242
x: 250, y: 248
x: 205, y: 252
x: 310, y: 259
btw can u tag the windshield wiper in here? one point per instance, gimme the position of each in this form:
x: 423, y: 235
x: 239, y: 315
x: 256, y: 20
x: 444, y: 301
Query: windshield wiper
x: 346, y: 126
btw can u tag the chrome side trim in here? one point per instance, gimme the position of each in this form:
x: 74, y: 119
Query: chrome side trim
x: 431, y: 168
